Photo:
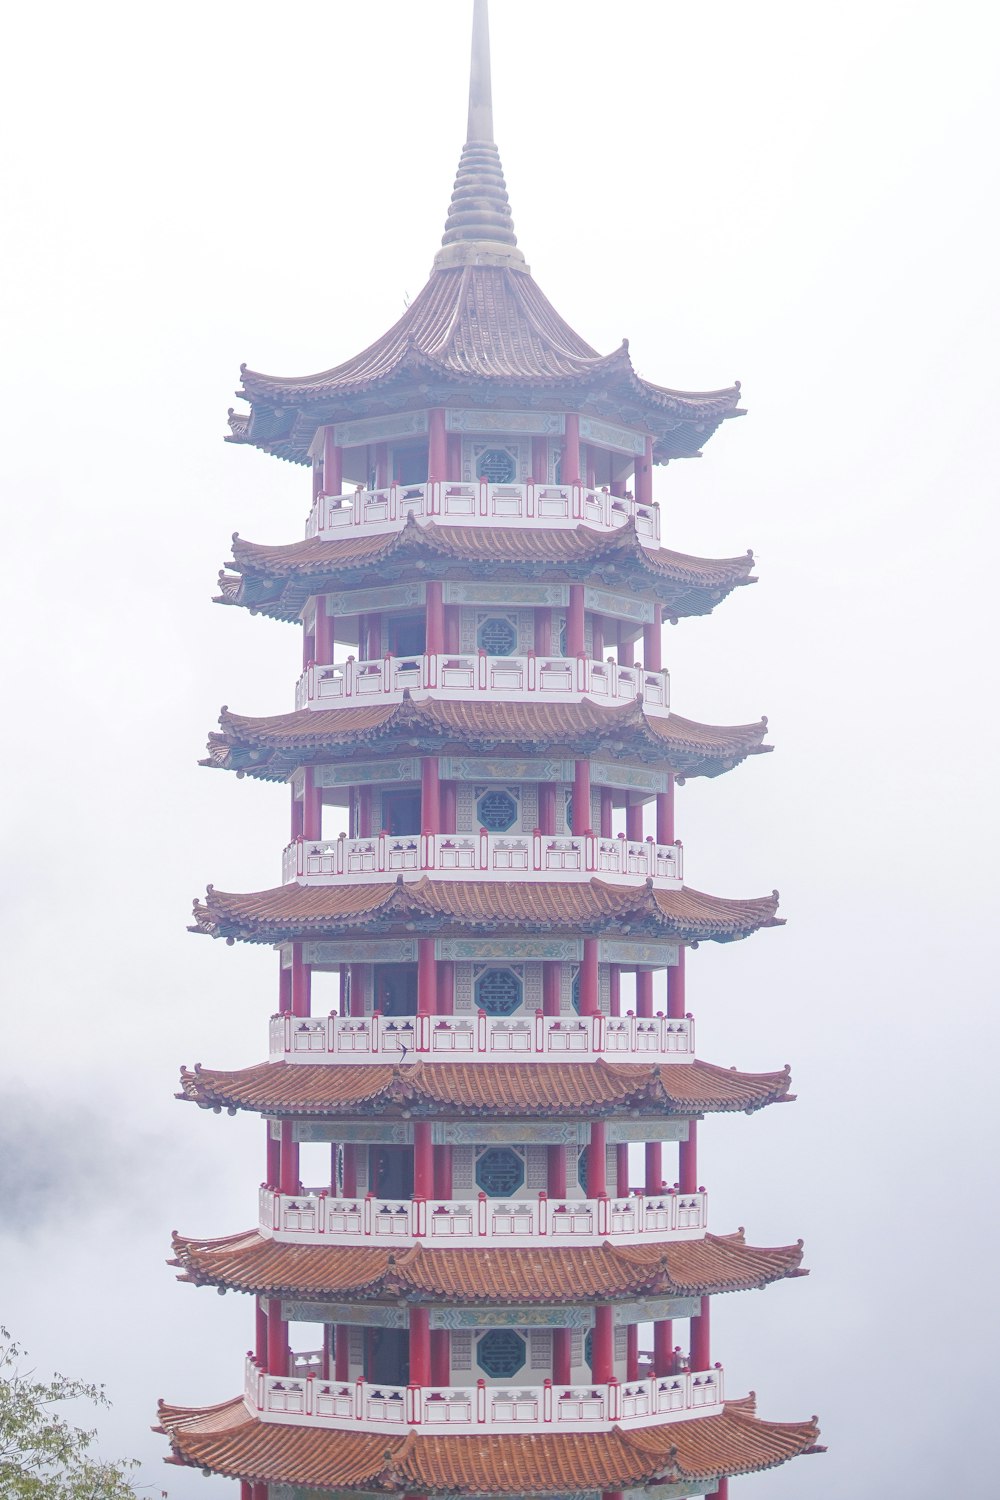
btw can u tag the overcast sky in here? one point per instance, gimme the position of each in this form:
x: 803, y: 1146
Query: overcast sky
x: 800, y: 196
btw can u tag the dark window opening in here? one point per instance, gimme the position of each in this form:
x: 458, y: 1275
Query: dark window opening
x: 401, y: 812
x: 396, y: 989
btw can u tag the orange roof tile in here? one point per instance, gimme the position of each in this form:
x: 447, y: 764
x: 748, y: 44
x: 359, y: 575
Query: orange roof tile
x: 270, y: 748
x: 277, y: 580
x: 570, y: 1089
x: 717, y: 1263
x: 289, y: 912
x: 227, y: 1440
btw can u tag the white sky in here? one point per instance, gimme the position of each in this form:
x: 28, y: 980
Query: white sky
x: 803, y: 197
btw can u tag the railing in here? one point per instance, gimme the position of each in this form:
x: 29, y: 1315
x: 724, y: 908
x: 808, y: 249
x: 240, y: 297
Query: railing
x: 470, y: 675
x: 545, y: 506
x: 532, y: 1037
x: 484, y: 856
x: 314, y: 1216
x: 312, y: 1401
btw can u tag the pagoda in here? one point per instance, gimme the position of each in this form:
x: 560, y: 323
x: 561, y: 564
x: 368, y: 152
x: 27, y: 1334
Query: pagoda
x: 482, y: 1264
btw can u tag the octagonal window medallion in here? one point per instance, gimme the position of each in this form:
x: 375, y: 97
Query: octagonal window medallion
x: 499, y: 1171
x: 497, y: 635
x: 500, y: 1353
x: 499, y: 992
x: 496, y: 810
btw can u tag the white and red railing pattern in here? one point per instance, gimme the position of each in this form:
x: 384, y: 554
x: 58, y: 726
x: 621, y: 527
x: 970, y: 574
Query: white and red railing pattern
x: 544, y: 506
x: 474, y: 674
x: 533, y: 1037
x: 315, y: 1216
x: 482, y: 856
x: 311, y: 1401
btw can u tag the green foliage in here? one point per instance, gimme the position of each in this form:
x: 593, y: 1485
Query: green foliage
x: 42, y: 1455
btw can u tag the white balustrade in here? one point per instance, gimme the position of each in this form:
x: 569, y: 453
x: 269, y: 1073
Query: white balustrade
x: 305, y: 1398
x: 474, y: 675
x: 541, y: 506
x: 485, y: 856
x: 481, y: 1038
x: 316, y: 1216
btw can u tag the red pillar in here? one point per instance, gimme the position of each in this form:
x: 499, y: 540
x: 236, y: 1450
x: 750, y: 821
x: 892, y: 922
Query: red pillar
x: 420, y: 1346
x: 288, y: 1168
x: 676, y: 998
x: 556, y: 1178
x: 445, y: 988
x: 426, y: 977
x: 333, y: 465
x: 440, y: 1356
x: 434, y: 643
x: 574, y: 621
x: 722, y: 1493
x: 341, y: 1353
x: 423, y: 1163
x: 626, y: 647
x: 603, y: 1362
x: 571, y: 450
x: 350, y: 1171
x: 597, y: 631
x: 581, y: 796
x: 284, y: 988
x: 700, y: 1349
x: 442, y: 1175
x: 615, y: 989
x: 652, y: 641
x: 634, y: 821
x: 543, y: 632
x: 663, y: 1347
x: 312, y: 806
x: 449, y: 806
x: 550, y: 988
x: 365, y: 829
x: 324, y: 632
x: 597, y: 1162
x: 430, y: 794
x: 381, y: 466
x: 540, y: 460
x: 454, y: 456
x: 357, y: 988
x: 654, y: 1166
x: 561, y: 1351
x: 632, y: 1352
x: 589, y: 998
x: 621, y: 1170
x: 277, y: 1340
x: 644, y: 992
x: 452, y: 628
x: 689, y: 1160
x: 607, y: 812
x: 437, y: 445
x: 665, y: 813
x: 301, y: 983
x: 644, y: 476
x: 547, y: 807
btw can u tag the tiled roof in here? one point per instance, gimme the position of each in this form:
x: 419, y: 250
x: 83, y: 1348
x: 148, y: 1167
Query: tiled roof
x: 476, y: 327
x: 290, y: 912
x: 277, y: 580
x: 717, y: 1263
x: 570, y: 1089
x: 270, y: 748
x: 227, y: 1440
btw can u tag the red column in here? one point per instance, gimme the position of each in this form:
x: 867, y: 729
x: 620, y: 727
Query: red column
x: 644, y: 476
x: 597, y: 1162
x: 615, y: 989
x: 341, y: 1353
x: 654, y: 1166
x: 430, y: 795
x: 440, y: 1356
x: 277, y: 1340
x: 652, y: 641
x: 426, y: 977
x: 454, y: 456
x: 581, y: 796
x: 452, y: 628
x: 626, y: 647
x: 561, y: 1350
x: 442, y: 1175
x: 324, y: 632
x: 676, y: 998
x: 700, y: 1348
x: 435, y: 620
x: 632, y: 1352
x: 589, y: 998
x: 571, y: 450
x: 420, y: 1345
x: 333, y: 465
x: 574, y: 621
x: 556, y: 1178
x: 449, y: 806
x: 365, y: 829
x: 663, y: 1347
x: 607, y: 812
x: 259, y: 1491
x: 350, y: 1171
x: 284, y: 989
x: 543, y: 632
x: 634, y: 821
x: 357, y: 988
x: 621, y: 1170
x: 540, y: 460
x: 547, y: 807
x: 597, y: 630
x: 381, y: 466
x: 602, y: 1365
x: 644, y: 992
x: 665, y: 813
x: 437, y: 445
x: 312, y: 806
x: 722, y: 1493
x: 288, y: 1160
x: 374, y: 637
x: 301, y: 981
x: 689, y: 1160
x: 445, y: 988
x: 551, y: 988
x: 423, y: 1162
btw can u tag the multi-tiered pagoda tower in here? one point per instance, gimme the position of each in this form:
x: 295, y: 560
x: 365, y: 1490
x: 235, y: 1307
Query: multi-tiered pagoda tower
x: 482, y: 926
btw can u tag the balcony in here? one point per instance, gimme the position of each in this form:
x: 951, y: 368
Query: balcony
x: 533, y: 1037
x: 482, y: 856
x: 546, y: 507
x: 472, y: 676
x: 309, y: 1400
x: 316, y: 1218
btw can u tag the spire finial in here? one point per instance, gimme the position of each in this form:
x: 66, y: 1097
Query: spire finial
x: 479, y: 229
x: 480, y: 83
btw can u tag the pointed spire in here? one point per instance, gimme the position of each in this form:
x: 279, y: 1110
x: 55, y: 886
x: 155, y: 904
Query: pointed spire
x: 479, y: 229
